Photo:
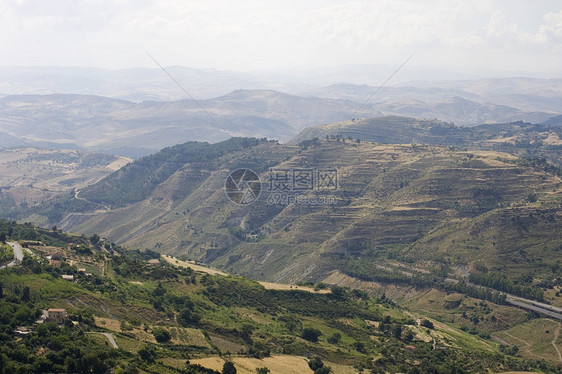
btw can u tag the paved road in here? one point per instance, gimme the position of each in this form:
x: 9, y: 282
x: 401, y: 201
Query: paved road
x: 538, y: 304
x: 534, y: 308
x: 18, y: 255
x: 108, y: 336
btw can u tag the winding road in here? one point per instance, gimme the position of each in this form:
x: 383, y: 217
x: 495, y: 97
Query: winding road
x: 18, y: 254
x: 108, y: 336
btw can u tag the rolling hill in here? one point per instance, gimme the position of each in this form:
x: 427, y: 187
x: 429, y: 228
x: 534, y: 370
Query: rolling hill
x: 130, y: 311
x: 519, y: 138
x: 134, y: 129
x: 428, y: 204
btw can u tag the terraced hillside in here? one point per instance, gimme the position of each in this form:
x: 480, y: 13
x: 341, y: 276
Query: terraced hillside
x: 432, y: 205
x: 520, y: 138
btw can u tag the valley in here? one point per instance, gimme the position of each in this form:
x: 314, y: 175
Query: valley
x: 418, y: 219
x: 458, y: 236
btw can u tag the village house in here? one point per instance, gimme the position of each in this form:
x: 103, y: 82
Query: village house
x: 56, y: 315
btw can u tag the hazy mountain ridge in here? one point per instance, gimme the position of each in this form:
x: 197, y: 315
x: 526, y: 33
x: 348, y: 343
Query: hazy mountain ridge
x: 467, y: 102
x: 131, y: 129
x: 104, y: 124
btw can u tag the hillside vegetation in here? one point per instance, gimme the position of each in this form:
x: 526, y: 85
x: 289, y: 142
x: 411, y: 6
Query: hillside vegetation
x: 167, y: 319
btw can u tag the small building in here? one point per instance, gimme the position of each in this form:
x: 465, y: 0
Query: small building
x: 154, y: 262
x: 82, y: 270
x: 56, y: 315
x: 68, y: 277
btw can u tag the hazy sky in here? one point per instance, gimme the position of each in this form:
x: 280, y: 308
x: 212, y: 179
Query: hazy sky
x: 245, y: 35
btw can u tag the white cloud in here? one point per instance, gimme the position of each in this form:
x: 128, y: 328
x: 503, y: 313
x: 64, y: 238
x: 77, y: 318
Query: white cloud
x: 249, y: 34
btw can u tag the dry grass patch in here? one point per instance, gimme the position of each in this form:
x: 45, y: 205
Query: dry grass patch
x: 279, y: 364
x: 108, y: 323
x: 192, y: 265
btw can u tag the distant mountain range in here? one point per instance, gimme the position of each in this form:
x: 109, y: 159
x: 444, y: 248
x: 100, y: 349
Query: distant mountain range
x: 136, y: 129
x: 132, y: 129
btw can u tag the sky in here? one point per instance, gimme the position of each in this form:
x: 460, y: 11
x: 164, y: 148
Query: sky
x: 248, y: 35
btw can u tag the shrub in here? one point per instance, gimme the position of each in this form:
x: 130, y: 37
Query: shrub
x: 161, y: 335
x: 310, y: 334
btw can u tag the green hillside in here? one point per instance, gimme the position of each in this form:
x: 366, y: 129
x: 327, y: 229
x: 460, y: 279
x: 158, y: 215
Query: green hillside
x: 402, y: 219
x: 166, y: 319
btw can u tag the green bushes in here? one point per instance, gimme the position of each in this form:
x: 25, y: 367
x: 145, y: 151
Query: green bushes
x: 500, y: 282
x: 310, y: 334
x: 161, y: 335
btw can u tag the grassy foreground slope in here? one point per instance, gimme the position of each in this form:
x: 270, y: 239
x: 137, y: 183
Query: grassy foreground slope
x: 167, y: 319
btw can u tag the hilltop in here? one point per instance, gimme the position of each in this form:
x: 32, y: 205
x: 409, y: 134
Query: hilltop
x: 520, y: 138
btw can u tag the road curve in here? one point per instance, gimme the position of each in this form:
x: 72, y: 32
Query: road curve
x: 18, y: 255
x: 108, y: 336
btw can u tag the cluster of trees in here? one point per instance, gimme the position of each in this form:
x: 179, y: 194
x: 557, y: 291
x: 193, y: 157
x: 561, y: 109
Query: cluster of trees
x: 15, y: 231
x: 183, y: 306
x: 143, y: 175
x: 237, y: 291
x: 364, y: 270
x: 65, y: 349
x: 499, y: 281
x: 6, y: 251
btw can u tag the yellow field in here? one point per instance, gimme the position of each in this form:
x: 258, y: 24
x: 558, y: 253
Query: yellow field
x: 277, y: 364
x: 267, y: 285
x: 279, y: 286
x: 192, y: 265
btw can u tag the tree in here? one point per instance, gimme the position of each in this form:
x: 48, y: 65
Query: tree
x: 315, y: 363
x: 94, y: 239
x: 427, y: 323
x: 335, y: 338
x: 359, y: 347
x: 1, y: 290
x: 228, y: 368
x: 323, y: 370
x: 161, y: 335
x: 263, y: 370
x: 3, y: 237
x: 310, y: 334
x: 188, y: 317
x: 147, y: 353
x: 25, y: 294
x: 408, y: 336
